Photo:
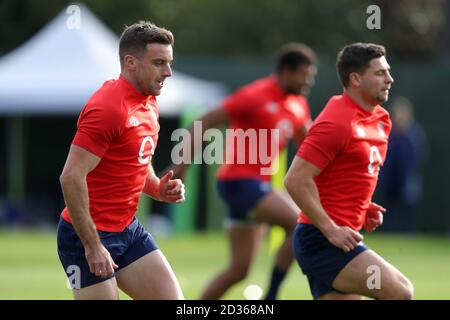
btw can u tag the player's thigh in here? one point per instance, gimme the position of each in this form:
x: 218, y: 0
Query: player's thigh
x: 150, y: 278
x: 244, y: 241
x: 277, y: 208
x: 334, y: 295
x: 105, y: 290
x: 372, y: 276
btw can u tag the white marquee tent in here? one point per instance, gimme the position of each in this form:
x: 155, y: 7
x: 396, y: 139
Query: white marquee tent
x: 57, y: 70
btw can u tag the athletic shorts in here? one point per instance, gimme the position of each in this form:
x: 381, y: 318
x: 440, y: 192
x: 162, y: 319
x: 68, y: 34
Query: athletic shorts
x: 125, y: 247
x: 318, y: 259
x: 241, y: 196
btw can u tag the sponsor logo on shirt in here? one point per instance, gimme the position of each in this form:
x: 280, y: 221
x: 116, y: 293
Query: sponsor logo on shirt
x: 381, y: 130
x: 295, y: 107
x: 361, y: 132
x: 272, y: 107
x: 134, y: 121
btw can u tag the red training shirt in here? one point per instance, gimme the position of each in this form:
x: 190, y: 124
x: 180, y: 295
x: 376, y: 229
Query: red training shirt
x: 260, y: 105
x: 349, y: 144
x: 119, y: 125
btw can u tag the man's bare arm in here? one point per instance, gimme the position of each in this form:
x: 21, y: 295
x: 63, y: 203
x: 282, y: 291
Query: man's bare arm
x: 74, y: 186
x: 301, y: 187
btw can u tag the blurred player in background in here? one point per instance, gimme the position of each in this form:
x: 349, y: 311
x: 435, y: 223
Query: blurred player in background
x: 400, y: 184
x: 101, y: 244
x: 275, y: 102
x: 332, y: 180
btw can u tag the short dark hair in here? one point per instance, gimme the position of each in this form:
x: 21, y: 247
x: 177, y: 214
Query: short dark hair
x: 135, y: 38
x: 356, y: 57
x: 294, y: 54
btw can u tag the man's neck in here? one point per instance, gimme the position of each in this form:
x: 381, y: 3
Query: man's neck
x: 131, y: 80
x: 280, y: 83
x: 356, y: 96
x: 285, y: 88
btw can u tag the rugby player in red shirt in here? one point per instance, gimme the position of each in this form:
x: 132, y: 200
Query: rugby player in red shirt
x: 101, y: 244
x: 332, y: 180
x: 277, y: 103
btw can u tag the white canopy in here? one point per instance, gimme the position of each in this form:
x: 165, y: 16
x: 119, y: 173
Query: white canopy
x: 58, y: 69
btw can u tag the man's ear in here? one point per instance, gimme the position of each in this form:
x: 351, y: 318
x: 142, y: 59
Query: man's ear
x: 130, y: 62
x: 354, y: 79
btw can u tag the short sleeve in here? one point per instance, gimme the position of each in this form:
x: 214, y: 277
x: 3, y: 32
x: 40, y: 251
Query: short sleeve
x: 97, y: 128
x: 239, y: 104
x: 324, y: 141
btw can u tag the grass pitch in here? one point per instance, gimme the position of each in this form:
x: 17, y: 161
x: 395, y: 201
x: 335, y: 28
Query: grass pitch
x: 30, y: 269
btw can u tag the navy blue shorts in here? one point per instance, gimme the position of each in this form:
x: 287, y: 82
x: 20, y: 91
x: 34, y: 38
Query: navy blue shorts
x: 125, y: 247
x: 319, y: 260
x: 242, y: 195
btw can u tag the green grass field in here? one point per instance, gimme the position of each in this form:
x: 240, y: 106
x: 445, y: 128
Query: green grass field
x: 30, y: 269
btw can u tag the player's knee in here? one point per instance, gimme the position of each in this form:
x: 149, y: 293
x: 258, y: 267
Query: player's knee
x: 241, y: 275
x: 289, y: 233
x: 407, y: 291
x: 404, y: 290
x: 289, y: 226
x: 238, y: 274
